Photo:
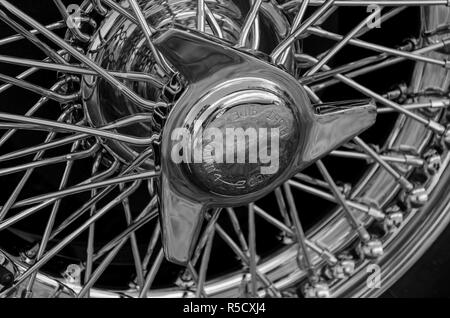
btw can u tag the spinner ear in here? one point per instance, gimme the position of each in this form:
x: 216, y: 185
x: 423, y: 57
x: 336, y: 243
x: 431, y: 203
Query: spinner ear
x: 195, y: 57
x: 334, y: 124
x: 181, y: 221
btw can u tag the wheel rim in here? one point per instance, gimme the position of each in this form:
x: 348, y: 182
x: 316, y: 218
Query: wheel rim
x: 274, y: 275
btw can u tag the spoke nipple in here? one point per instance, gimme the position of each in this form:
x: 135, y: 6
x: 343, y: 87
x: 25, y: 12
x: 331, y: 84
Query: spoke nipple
x: 342, y: 270
x: 446, y: 64
x: 433, y: 163
x: 417, y: 197
x: 394, y: 218
x: 316, y: 290
x: 393, y: 221
x: 372, y: 248
x: 72, y: 275
x: 185, y: 280
x: 133, y: 285
x: 29, y: 256
x: 346, y: 189
x: 286, y: 239
x: 398, y: 93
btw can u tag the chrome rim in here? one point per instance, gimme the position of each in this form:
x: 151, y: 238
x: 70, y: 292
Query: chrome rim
x: 118, y: 92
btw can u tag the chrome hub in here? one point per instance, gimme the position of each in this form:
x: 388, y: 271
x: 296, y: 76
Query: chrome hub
x: 227, y: 89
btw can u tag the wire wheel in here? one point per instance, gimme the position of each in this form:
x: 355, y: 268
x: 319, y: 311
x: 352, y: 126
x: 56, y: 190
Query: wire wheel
x: 92, y: 204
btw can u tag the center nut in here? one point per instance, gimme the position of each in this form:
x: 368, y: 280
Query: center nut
x: 242, y: 139
x: 241, y: 128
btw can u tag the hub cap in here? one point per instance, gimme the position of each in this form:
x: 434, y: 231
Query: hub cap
x: 229, y: 88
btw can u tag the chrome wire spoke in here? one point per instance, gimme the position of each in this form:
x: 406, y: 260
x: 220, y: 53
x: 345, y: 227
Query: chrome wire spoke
x: 304, y: 257
x: 40, y: 90
x: 295, y: 24
x: 152, y: 274
x: 371, y: 211
x: 201, y: 15
x: 151, y: 246
x: 282, y: 207
x: 151, y: 106
x: 41, y: 147
x: 356, y: 66
x: 431, y: 104
x: 52, y: 252
x: 213, y: 23
x: 389, y: 62
x: 321, y: 252
x: 29, y: 72
x: 410, y: 160
x: 100, y: 269
x: 87, y: 206
x: 346, y: 39
x: 361, y: 230
x: 365, y: 3
x: 251, y: 21
x: 28, y: 212
x: 212, y: 221
x: 378, y: 48
x: 252, y: 249
x: 429, y: 123
x: 12, y: 198
x: 32, y: 38
x: 85, y: 129
x: 148, y: 214
x: 263, y: 278
x: 133, y: 241
x: 90, y: 184
x: 204, y: 265
x: 118, y: 8
x: 75, y: 69
x: 91, y: 231
x: 400, y: 179
x: 17, y: 37
x: 51, y: 161
x: 42, y: 101
x: 67, y: 140
x: 148, y: 32
x: 371, y: 247
x: 50, y: 222
x: 286, y: 43
x: 112, y: 248
x: 360, y: 67
x: 383, y: 18
x: 237, y: 228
